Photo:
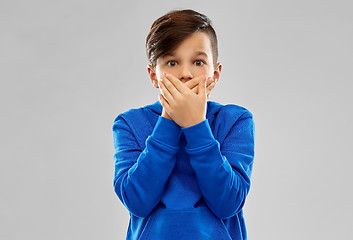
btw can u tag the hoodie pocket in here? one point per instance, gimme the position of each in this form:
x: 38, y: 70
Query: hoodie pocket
x: 198, y: 223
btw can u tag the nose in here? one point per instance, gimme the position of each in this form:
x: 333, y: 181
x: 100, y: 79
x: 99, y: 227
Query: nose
x: 185, y: 74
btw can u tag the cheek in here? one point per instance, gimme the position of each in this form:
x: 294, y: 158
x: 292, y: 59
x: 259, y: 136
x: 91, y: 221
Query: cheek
x: 205, y: 71
x: 161, y: 70
x: 172, y: 71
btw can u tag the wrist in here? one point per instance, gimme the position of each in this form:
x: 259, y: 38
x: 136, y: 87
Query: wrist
x: 193, y: 123
x: 166, y: 115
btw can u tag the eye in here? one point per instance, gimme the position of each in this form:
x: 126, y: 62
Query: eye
x: 172, y: 63
x: 199, y: 62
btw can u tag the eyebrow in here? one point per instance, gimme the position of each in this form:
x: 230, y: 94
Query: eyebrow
x: 198, y: 53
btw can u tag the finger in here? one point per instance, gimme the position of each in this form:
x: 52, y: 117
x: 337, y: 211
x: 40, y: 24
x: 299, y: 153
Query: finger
x: 195, y: 89
x: 169, y: 86
x: 202, y: 87
x: 210, y: 85
x: 176, y: 85
x: 164, y: 103
x: 192, y: 84
x: 165, y: 92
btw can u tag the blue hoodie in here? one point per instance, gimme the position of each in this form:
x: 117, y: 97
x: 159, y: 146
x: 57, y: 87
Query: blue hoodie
x: 184, y: 183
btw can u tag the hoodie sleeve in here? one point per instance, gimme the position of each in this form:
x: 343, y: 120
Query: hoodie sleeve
x: 223, y: 172
x: 140, y: 175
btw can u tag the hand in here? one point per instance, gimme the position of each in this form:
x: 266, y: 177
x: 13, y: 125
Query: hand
x: 184, y: 106
x: 193, y: 85
x: 165, y: 114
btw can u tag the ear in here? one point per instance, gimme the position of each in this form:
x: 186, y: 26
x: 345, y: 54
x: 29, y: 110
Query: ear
x: 153, y: 76
x: 217, y: 72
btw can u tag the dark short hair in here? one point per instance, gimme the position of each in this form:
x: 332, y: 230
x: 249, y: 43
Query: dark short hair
x: 170, y: 30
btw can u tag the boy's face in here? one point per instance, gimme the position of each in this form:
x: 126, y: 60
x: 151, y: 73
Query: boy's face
x: 191, y: 59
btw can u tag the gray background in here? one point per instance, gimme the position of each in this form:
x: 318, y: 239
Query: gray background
x: 68, y: 68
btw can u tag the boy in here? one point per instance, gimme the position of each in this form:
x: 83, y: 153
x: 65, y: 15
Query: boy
x: 183, y: 164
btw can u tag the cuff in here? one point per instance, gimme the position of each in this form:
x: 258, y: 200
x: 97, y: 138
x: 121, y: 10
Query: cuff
x: 198, y: 135
x: 167, y: 131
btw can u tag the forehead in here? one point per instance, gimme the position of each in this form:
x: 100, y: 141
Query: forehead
x: 197, y: 43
